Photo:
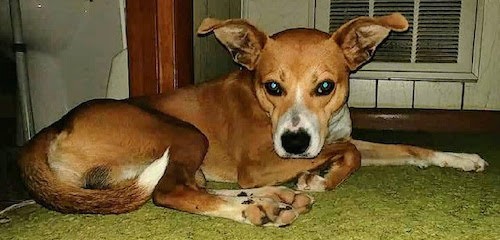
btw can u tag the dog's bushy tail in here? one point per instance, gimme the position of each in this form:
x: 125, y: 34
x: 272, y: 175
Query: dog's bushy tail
x: 54, y: 194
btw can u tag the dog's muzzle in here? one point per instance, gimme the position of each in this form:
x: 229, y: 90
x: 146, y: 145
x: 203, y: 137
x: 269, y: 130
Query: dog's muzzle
x: 297, y: 134
x: 295, y: 142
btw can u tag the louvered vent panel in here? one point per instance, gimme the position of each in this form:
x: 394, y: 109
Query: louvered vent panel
x: 438, y: 31
x: 342, y: 11
x: 433, y: 36
x: 398, y: 46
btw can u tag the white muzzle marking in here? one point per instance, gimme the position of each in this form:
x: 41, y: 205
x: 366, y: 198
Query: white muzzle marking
x: 298, y: 119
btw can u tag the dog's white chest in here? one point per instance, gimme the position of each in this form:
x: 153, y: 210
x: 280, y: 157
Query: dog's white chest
x: 339, y: 125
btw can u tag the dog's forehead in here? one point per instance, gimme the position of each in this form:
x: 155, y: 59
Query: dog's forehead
x: 306, y: 35
x: 300, y: 41
x: 302, y: 51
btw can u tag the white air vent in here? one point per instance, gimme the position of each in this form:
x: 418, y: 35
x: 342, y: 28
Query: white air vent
x: 438, y: 31
x: 438, y: 45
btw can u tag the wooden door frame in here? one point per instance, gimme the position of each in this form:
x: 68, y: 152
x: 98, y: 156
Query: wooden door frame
x: 160, y: 45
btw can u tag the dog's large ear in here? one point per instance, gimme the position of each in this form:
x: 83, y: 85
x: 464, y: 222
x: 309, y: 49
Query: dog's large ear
x: 359, y: 37
x: 243, y: 40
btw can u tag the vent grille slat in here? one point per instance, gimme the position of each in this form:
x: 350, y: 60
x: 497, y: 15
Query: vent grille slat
x: 438, y: 32
x: 342, y: 11
x: 436, y: 37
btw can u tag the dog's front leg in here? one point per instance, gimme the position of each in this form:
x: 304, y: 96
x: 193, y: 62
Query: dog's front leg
x: 262, y: 207
x: 270, y: 169
x: 377, y: 154
x: 181, y: 188
x: 340, y: 170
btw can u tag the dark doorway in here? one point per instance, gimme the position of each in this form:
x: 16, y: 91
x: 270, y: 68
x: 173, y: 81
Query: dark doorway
x: 12, y: 189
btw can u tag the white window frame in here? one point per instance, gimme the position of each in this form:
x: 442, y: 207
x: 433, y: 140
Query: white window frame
x: 465, y: 70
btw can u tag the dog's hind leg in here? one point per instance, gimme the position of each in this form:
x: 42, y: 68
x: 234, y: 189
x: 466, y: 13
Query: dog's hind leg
x: 180, y: 188
x: 376, y: 154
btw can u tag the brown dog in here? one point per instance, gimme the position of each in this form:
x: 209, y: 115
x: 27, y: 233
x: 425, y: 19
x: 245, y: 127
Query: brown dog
x: 281, y: 117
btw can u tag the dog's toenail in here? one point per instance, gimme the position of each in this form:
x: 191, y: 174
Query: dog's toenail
x: 265, y: 219
x: 248, y: 201
x: 242, y: 194
x: 286, y: 208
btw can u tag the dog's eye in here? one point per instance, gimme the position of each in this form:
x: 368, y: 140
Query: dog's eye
x: 324, y: 88
x: 273, y: 88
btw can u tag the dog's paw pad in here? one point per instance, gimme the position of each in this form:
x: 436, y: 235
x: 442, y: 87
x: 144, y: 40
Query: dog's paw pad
x: 300, y: 201
x: 282, y: 194
x: 311, y: 182
x: 267, y: 212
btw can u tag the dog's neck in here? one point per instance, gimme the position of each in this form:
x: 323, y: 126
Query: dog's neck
x: 339, y: 125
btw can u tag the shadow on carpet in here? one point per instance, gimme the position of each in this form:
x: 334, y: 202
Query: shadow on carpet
x: 375, y: 203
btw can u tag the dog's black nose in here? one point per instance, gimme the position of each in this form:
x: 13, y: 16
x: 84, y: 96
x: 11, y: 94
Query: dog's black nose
x: 295, y: 142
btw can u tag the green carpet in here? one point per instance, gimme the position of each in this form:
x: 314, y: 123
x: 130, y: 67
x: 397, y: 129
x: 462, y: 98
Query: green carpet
x: 375, y: 203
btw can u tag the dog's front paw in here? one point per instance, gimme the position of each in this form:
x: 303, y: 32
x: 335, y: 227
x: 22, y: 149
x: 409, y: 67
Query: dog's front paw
x: 465, y: 161
x: 298, y: 201
x: 311, y: 182
x: 301, y: 202
x: 268, y: 212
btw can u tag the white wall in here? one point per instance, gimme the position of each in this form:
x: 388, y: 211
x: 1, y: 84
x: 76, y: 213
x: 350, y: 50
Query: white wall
x: 118, y: 77
x: 277, y: 15
x: 71, y: 45
x: 485, y: 94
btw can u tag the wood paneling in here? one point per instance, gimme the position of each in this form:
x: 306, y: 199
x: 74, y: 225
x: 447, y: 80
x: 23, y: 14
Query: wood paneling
x: 159, y: 36
x: 141, y: 39
x: 426, y: 120
x: 175, y: 41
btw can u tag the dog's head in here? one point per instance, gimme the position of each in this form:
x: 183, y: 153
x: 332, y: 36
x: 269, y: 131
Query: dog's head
x: 301, y: 76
